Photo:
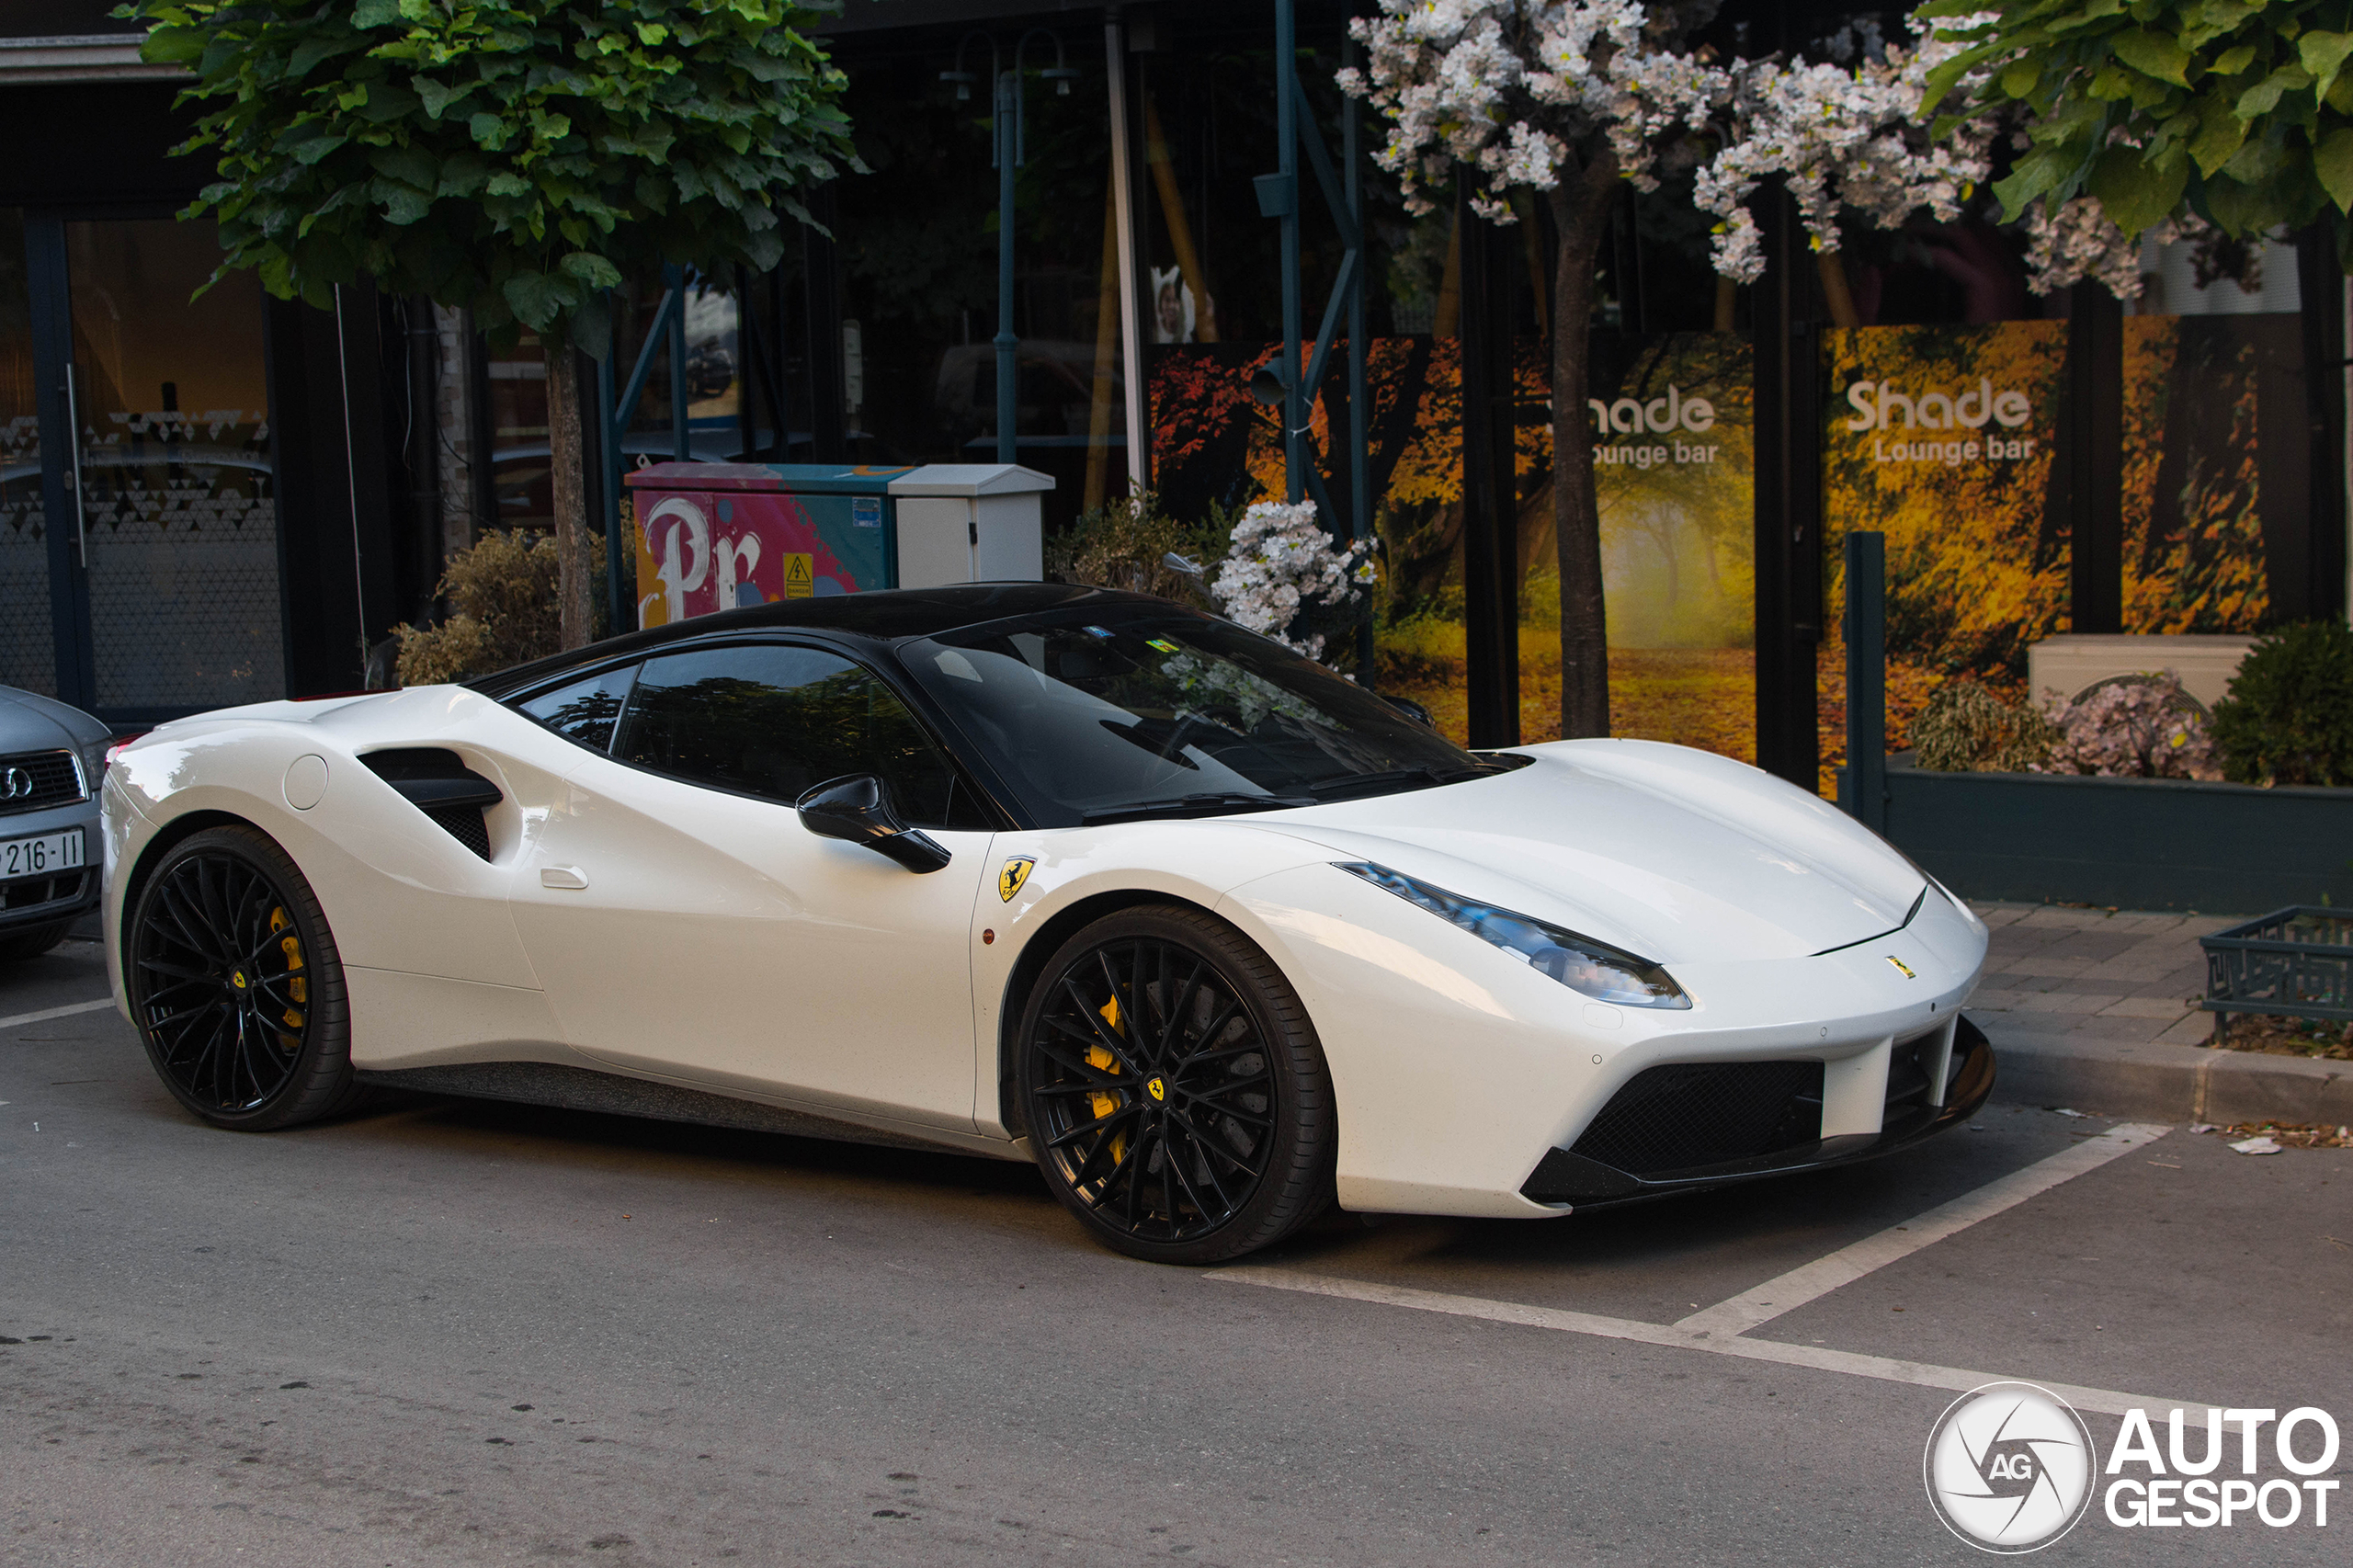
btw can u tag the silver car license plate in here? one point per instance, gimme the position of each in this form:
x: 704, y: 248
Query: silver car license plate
x: 44, y: 855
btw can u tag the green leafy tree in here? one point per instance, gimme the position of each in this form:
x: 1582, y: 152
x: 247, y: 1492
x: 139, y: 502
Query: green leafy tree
x: 2238, y: 112
x: 514, y: 158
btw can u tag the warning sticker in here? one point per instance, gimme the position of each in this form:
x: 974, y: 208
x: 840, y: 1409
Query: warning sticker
x: 798, y: 582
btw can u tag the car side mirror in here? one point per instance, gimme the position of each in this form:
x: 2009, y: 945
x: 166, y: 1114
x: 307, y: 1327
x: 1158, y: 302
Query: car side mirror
x: 1412, y: 710
x: 857, y: 809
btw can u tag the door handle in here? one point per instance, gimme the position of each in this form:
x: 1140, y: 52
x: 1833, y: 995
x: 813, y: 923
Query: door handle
x: 74, y: 473
x: 571, y: 879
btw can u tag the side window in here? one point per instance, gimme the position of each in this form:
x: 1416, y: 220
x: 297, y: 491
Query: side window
x: 586, y: 710
x: 770, y: 719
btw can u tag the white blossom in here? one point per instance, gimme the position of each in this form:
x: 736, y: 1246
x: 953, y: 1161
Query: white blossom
x: 1514, y: 90
x: 1846, y: 138
x: 1280, y: 562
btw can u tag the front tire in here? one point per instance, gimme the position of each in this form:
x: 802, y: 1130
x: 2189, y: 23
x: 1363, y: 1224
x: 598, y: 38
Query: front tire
x: 236, y: 986
x: 32, y: 943
x: 1176, y: 1095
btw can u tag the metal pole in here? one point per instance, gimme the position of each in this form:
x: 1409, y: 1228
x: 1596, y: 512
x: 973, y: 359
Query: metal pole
x: 1287, y: 165
x: 1115, y: 77
x: 1009, y: 410
x: 681, y: 442
x: 620, y: 555
x: 1359, y: 459
x: 1867, y: 679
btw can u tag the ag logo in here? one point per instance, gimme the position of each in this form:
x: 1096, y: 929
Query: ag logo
x: 2009, y: 1468
x: 1016, y: 873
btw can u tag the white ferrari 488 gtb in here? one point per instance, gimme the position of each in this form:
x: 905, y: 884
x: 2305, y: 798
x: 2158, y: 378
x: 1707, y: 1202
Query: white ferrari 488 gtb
x: 1041, y: 873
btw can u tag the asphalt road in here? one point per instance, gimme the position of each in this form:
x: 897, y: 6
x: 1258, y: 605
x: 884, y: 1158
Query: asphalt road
x: 443, y: 1331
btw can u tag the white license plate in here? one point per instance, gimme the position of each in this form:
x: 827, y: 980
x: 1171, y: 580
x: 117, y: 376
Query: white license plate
x: 45, y: 855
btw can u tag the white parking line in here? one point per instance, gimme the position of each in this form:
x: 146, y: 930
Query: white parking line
x: 1848, y: 1264
x: 43, y: 1017
x: 1722, y: 1330
x: 1887, y: 1370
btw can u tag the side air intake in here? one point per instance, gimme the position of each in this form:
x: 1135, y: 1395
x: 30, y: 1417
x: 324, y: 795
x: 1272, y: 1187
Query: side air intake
x: 437, y: 783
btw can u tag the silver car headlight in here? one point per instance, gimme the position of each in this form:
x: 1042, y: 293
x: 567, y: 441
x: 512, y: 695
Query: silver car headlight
x: 1589, y: 968
x: 94, y: 762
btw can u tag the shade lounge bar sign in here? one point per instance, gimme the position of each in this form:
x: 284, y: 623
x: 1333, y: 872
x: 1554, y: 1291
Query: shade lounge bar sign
x: 1879, y: 406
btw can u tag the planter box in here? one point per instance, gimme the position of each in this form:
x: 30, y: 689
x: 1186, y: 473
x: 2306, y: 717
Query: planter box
x: 2128, y: 843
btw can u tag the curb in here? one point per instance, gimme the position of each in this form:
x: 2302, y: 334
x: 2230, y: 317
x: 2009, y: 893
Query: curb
x: 2175, y: 1082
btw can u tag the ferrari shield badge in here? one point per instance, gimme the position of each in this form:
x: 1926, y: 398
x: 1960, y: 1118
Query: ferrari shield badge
x: 1016, y: 873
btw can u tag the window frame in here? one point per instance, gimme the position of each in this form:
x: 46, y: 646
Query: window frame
x: 970, y: 779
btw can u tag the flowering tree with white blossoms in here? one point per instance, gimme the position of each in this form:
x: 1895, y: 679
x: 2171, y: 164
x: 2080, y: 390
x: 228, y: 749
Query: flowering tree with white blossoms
x: 1859, y: 140
x: 1846, y: 139
x: 1281, y: 565
x: 1570, y: 97
x: 1567, y: 98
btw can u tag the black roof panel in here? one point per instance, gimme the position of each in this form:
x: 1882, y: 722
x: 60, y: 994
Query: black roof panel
x: 885, y: 616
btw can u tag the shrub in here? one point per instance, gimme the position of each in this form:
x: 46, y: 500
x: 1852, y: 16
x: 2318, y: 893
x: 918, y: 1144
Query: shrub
x: 1967, y: 729
x: 2141, y: 726
x: 2288, y: 718
x: 1122, y: 544
x: 502, y: 594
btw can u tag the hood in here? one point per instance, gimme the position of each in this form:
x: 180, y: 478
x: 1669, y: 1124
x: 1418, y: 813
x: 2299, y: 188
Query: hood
x: 29, y: 722
x: 1674, y: 854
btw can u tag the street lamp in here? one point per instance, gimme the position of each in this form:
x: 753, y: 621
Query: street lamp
x: 1006, y: 154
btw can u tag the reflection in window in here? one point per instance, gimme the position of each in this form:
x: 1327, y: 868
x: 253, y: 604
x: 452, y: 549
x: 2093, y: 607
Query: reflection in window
x: 27, y: 655
x: 773, y: 721
x: 586, y: 710
x: 1085, y: 718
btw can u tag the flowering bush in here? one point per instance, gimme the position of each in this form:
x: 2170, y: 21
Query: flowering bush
x: 1283, y: 566
x: 2141, y: 726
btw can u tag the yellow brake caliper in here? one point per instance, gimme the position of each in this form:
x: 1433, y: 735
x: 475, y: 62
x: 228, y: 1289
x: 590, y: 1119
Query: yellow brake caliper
x: 298, y: 988
x: 1101, y: 1060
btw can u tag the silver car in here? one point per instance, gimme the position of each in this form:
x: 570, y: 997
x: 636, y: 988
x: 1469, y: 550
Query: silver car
x: 52, y: 757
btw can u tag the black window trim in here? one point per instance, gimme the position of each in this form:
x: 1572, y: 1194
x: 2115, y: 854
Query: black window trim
x: 883, y: 669
x: 514, y: 700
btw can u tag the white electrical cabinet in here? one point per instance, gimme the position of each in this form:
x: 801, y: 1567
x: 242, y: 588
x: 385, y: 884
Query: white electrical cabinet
x: 969, y: 522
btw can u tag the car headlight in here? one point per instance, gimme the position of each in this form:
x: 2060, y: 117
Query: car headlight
x: 1589, y: 968
x: 93, y: 763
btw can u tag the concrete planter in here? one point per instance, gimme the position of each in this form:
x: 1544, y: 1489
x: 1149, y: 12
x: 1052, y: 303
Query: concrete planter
x: 2130, y: 843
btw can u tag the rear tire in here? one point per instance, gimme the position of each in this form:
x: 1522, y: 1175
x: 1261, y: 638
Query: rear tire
x: 1176, y: 1095
x: 236, y: 986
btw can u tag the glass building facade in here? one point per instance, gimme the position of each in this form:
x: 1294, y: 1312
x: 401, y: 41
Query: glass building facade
x: 2039, y: 465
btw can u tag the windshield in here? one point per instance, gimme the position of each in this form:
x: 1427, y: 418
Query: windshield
x: 1127, y: 711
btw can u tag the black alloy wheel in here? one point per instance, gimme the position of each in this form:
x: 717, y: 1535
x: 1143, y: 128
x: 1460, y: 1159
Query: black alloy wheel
x: 1176, y: 1095
x: 236, y: 983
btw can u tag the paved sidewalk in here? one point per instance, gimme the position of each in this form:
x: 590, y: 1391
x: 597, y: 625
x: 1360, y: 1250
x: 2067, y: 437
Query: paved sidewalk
x: 2088, y: 975
x: 2098, y: 1012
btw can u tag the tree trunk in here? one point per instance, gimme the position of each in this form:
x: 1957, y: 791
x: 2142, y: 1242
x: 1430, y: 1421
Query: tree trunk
x: 567, y: 475
x: 1581, y: 216
x: 1835, y: 292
